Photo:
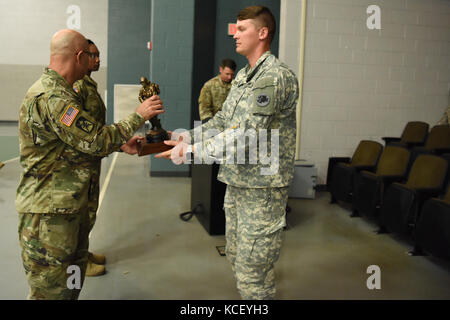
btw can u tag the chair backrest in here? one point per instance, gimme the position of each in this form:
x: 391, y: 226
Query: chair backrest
x: 428, y: 171
x: 367, y: 153
x: 393, y: 161
x: 415, y: 131
x: 439, y: 137
x: 447, y: 195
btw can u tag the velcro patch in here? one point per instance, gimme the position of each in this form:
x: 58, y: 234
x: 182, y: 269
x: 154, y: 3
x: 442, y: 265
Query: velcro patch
x: 68, y: 116
x: 263, y: 100
x: 85, y: 125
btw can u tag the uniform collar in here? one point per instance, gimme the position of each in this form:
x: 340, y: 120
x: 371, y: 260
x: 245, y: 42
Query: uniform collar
x: 55, y: 76
x: 89, y: 80
x: 250, y: 72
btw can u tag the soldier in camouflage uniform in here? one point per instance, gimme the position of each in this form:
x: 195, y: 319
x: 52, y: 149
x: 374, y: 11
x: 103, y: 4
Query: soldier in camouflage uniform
x: 263, y: 96
x: 59, y: 140
x: 215, y: 90
x: 94, y: 106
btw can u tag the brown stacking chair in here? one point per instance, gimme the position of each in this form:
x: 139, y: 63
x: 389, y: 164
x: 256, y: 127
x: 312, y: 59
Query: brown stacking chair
x: 342, y: 173
x: 370, y: 187
x: 432, y: 233
x: 401, y: 206
x: 438, y: 142
x: 414, y: 134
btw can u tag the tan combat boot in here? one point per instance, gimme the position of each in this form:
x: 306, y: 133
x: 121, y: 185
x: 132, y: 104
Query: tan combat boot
x: 1, y: 164
x: 96, y: 258
x: 93, y: 269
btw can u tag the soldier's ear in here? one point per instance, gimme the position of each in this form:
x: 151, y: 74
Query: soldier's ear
x: 263, y: 33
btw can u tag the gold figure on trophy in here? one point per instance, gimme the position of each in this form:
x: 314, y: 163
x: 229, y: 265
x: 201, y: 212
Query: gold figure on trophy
x: 154, y: 139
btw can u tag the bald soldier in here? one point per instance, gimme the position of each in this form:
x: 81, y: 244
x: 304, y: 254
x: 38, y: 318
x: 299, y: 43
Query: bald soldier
x: 58, y: 140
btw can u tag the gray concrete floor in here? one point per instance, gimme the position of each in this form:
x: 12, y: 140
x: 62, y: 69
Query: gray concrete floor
x: 9, y: 140
x: 152, y: 254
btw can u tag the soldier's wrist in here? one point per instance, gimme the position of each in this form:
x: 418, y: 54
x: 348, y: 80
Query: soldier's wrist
x: 140, y: 116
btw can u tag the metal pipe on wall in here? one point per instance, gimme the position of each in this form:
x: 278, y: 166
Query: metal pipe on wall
x: 300, y: 78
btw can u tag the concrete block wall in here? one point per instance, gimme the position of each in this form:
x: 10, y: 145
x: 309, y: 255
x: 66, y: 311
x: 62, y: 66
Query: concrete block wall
x: 27, y: 27
x: 171, y: 68
x: 366, y: 84
x: 128, y: 56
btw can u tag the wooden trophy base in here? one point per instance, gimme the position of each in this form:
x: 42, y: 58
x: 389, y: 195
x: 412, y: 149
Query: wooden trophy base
x: 145, y: 148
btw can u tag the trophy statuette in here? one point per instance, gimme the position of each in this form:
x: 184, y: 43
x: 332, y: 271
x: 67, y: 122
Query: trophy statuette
x: 154, y: 139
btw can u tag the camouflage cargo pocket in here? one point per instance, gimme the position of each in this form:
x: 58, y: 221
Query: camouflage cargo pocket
x: 70, y: 190
x: 261, y: 250
x: 48, y: 239
x: 263, y: 211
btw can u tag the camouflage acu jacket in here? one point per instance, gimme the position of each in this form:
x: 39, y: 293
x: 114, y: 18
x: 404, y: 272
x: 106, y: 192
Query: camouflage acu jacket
x: 58, y: 141
x: 92, y: 101
x: 261, y: 99
x: 212, y: 96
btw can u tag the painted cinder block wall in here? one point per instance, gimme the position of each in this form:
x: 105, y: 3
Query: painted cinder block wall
x: 366, y: 84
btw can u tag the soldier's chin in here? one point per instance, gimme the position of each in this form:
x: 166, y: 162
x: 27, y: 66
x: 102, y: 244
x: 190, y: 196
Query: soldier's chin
x: 240, y: 50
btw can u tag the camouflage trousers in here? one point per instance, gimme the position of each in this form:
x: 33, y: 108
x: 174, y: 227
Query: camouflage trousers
x: 50, y: 244
x: 94, y: 192
x: 255, y: 218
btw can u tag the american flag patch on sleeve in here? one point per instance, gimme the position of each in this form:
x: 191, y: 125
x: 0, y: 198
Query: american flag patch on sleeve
x: 69, y: 115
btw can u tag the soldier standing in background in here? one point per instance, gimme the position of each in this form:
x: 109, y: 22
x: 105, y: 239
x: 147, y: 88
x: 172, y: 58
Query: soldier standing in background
x: 94, y: 106
x: 58, y: 139
x: 215, y: 90
x: 262, y: 97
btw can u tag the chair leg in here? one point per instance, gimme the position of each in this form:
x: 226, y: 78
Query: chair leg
x: 382, y: 230
x: 416, y: 251
x: 333, y: 199
x: 355, y: 213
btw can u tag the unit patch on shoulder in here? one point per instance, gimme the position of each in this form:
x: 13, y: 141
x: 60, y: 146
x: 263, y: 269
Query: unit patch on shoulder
x: 262, y: 100
x: 85, y: 125
x: 68, y: 116
x: 76, y: 89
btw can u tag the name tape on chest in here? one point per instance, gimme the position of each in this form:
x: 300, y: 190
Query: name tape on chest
x: 68, y: 116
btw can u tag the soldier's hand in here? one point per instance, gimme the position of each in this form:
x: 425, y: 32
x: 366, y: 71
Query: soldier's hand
x: 130, y: 146
x: 150, y: 107
x: 183, y: 135
x: 177, y: 154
